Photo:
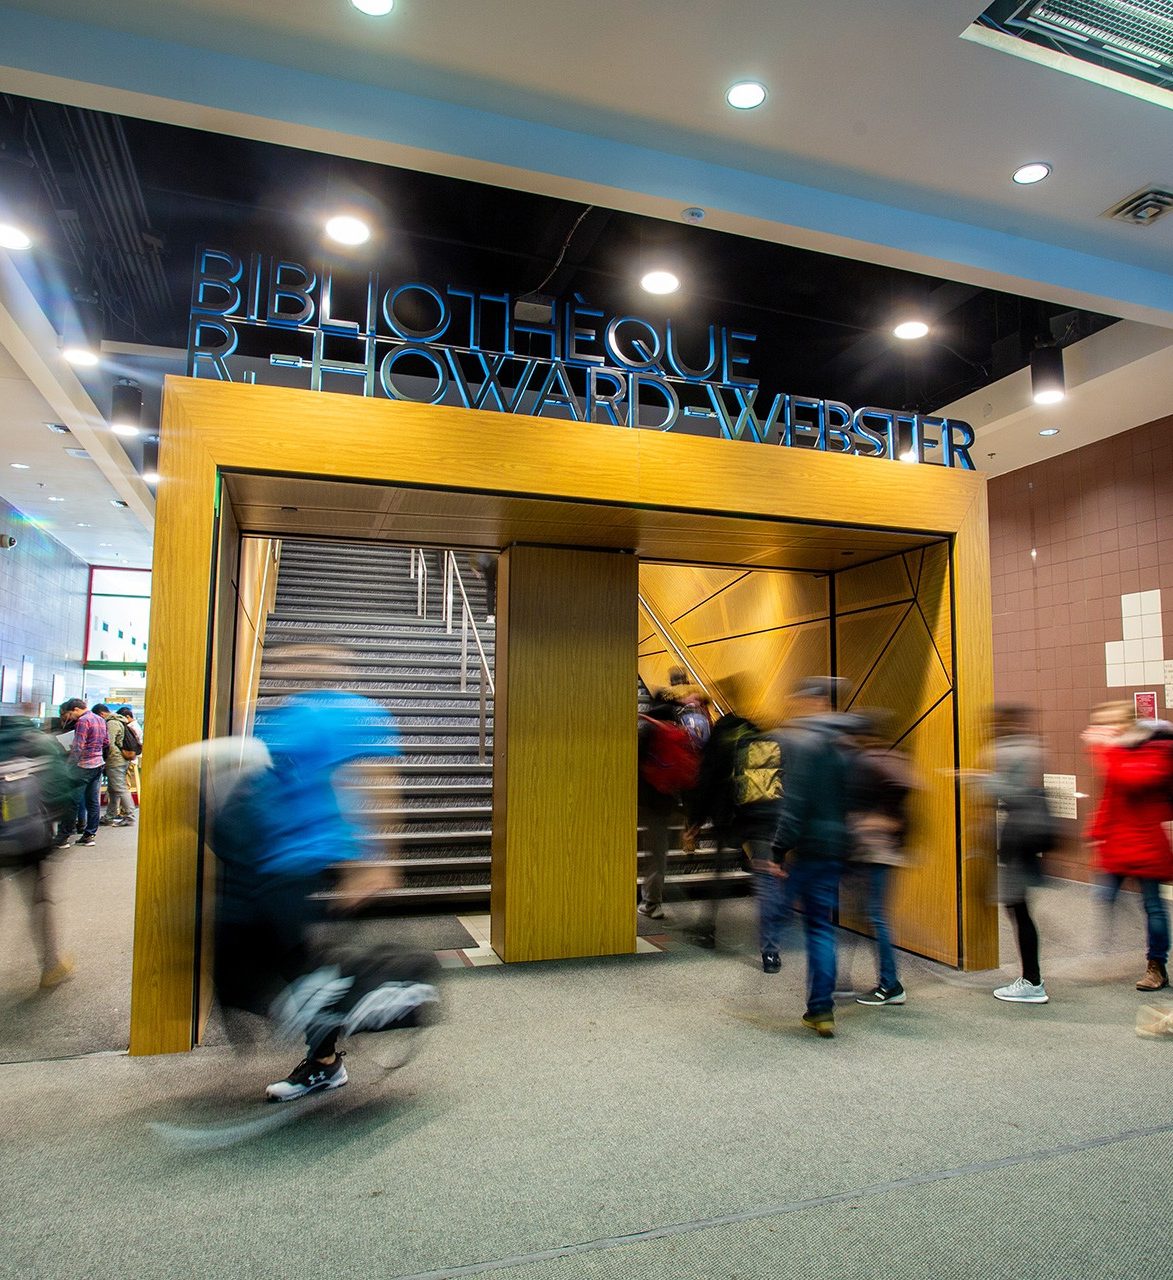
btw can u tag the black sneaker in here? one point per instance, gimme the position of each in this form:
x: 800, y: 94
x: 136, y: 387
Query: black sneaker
x: 87, y: 840
x: 771, y: 962
x: 883, y: 995
x: 308, y: 1077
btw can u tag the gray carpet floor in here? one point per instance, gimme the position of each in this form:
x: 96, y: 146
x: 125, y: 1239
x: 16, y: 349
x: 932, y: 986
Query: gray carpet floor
x: 660, y: 1116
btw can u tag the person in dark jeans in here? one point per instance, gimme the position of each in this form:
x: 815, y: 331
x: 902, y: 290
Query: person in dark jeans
x: 812, y: 840
x: 87, y: 760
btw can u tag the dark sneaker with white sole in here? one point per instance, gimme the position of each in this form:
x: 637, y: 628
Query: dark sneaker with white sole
x: 883, y: 995
x: 308, y: 1077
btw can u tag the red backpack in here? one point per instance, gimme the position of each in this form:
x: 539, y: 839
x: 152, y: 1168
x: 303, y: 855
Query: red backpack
x: 671, y: 763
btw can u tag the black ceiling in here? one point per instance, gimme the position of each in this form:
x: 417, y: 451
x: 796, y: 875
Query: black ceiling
x: 121, y: 204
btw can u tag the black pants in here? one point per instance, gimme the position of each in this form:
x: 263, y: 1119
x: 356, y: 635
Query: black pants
x: 1028, y: 940
x: 263, y: 940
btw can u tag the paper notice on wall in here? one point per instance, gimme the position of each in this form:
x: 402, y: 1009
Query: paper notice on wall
x: 1060, y: 791
x: 1146, y: 705
x: 1168, y: 683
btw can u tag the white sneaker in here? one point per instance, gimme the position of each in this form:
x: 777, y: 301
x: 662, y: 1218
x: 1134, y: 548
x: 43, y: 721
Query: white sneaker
x: 1023, y: 992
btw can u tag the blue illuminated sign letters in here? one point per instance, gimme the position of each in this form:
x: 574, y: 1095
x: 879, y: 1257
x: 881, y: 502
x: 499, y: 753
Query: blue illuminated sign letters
x: 409, y: 340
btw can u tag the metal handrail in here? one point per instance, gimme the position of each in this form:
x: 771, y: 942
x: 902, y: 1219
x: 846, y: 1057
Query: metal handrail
x: 452, y: 575
x: 420, y: 578
x: 681, y: 655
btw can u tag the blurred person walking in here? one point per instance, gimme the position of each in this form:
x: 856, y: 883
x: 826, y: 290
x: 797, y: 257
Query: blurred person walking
x: 278, y: 835
x: 882, y: 784
x: 812, y: 841
x: 669, y: 764
x: 739, y: 793
x: 36, y: 790
x: 119, y: 805
x: 87, y: 760
x: 1135, y: 760
x: 1026, y: 830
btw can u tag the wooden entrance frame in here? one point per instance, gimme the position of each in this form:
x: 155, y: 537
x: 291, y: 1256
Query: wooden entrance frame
x: 210, y: 428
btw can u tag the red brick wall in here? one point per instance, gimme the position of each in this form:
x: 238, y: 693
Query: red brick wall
x: 1099, y: 521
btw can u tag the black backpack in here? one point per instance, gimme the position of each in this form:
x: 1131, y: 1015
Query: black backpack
x: 132, y: 744
x: 25, y: 828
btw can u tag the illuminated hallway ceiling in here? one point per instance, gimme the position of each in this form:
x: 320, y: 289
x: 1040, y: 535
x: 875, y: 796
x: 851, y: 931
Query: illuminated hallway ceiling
x: 885, y: 137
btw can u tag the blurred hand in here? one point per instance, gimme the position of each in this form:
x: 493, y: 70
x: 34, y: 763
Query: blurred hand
x: 770, y: 867
x: 359, y: 882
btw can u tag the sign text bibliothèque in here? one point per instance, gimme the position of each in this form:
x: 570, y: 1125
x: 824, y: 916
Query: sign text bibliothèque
x: 414, y: 341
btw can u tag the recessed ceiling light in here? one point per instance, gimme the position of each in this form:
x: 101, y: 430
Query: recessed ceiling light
x: 105, y: 544
x: 81, y: 524
x: 56, y: 499
x: 745, y: 95
x: 347, y: 229
x: 374, y: 8
x: 150, y: 477
x: 13, y: 237
x: 911, y: 329
x: 1049, y: 431
x: 124, y: 429
x: 19, y: 466
x: 660, y: 282
x: 82, y: 357
x: 1031, y: 173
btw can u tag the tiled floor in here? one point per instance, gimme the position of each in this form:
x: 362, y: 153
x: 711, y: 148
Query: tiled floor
x: 483, y: 953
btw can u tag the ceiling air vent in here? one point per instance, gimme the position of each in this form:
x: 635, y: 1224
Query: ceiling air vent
x: 1143, y: 208
x: 77, y: 453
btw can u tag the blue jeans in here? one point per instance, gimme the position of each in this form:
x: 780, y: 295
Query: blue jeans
x: 88, y: 789
x: 774, y: 897
x: 878, y: 878
x: 815, y: 883
x: 1155, y: 913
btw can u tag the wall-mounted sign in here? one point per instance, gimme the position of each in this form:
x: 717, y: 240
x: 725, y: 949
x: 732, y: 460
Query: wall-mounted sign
x: 409, y: 340
x: 1146, y: 705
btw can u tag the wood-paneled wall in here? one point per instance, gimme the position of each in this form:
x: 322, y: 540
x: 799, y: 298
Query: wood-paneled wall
x: 211, y: 427
x: 564, y: 758
x: 256, y: 590
x: 753, y: 633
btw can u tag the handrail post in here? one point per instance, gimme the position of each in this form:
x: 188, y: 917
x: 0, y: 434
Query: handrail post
x: 481, y: 682
x: 411, y: 563
x: 421, y: 588
x: 450, y: 565
x: 464, y: 650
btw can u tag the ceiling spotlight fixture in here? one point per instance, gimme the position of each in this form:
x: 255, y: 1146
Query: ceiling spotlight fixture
x: 13, y: 237
x: 745, y: 95
x: 19, y: 466
x: 344, y: 228
x: 126, y: 408
x: 150, y: 477
x: 1028, y: 174
x: 1049, y: 431
x: 660, y: 282
x: 909, y: 455
x: 1046, y: 375
x: 374, y: 8
x: 910, y: 330
x: 81, y: 357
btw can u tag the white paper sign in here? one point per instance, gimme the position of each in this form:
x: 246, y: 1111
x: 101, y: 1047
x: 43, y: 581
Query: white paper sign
x: 1168, y: 683
x: 1060, y: 790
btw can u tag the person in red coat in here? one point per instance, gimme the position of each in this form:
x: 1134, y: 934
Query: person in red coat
x: 1128, y: 827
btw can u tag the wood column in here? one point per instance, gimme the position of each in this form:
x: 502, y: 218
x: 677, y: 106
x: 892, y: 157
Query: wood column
x: 564, y: 761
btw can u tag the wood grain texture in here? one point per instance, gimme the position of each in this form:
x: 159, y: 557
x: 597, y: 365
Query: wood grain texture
x: 663, y: 494
x: 974, y: 664
x: 163, y: 978
x: 564, y: 762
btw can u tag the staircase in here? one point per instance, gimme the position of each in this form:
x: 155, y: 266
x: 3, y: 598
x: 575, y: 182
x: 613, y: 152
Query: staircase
x: 436, y: 825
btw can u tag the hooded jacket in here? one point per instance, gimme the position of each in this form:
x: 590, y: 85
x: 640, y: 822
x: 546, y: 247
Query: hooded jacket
x: 816, y: 772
